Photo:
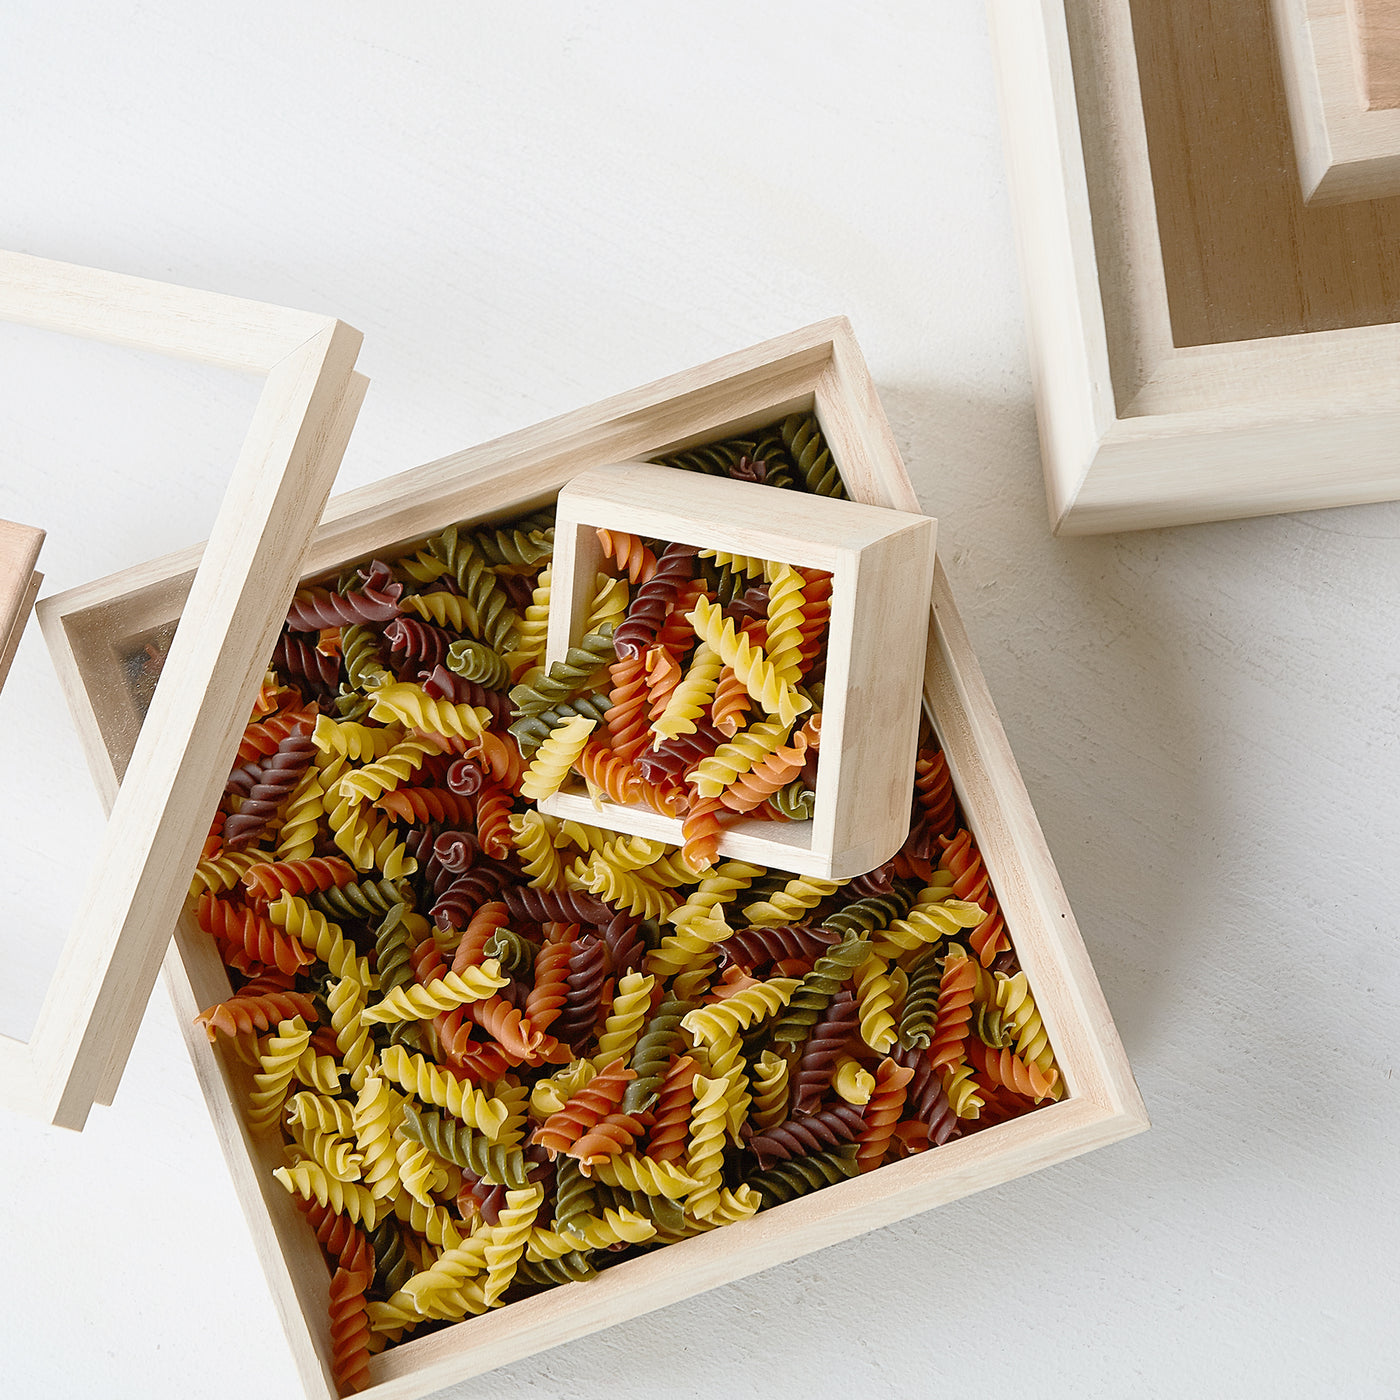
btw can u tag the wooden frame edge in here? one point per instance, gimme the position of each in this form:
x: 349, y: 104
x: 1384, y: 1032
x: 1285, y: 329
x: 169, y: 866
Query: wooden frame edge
x: 94, y: 1001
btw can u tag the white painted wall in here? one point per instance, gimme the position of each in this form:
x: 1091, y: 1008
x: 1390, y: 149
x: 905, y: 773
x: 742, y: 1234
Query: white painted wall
x: 526, y: 209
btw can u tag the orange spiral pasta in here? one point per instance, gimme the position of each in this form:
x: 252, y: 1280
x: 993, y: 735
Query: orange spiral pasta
x: 511, y: 1029
x: 261, y: 1012
x: 700, y: 832
x: 214, y: 842
x: 500, y: 759
x: 816, y: 612
x: 598, y: 1098
x: 609, y: 773
x: 609, y: 1136
x: 546, y: 998
x: 675, y: 1097
x: 775, y: 770
x: 962, y: 860
x: 493, y: 809
x: 884, y: 1110
x: 950, y: 1027
x: 663, y: 674
x: 933, y: 789
x: 242, y: 929
x: 629, y: 554
x: 350, y: 1328
x: 477, y: 1060
x: 627, y: 720
x: 267, y: 882
x: 675, y: 634
x: 423, y: 804
x: 731, y: 703
x: 261, y: 739
x: 471, y: 948
x: 1007, y: 1068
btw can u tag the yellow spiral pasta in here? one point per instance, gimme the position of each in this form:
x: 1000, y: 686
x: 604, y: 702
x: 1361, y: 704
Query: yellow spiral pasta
x: 629, y: 890
x: 875, y: 997
x: 728, y: 1066
x: 533, y: 834
x: 508, y: 1237
x: 1013, y: 996
x: 961, y: 1089
x: 319, y: 1072
x: 376, y: 1114
x: 690, y: 945
x: 320, y: 1113
x: 934, y: 916
x: 219, y: 873
x: 446, y: 610
x: 749, y: 663
x: 609, y: 603
x: 732, y: 759
x: 277, y: 1066
x: 770, y: 1091
x: 449, y: 1288
x: 368, y: 840
x: 611, y: 1228
x: 301, y: 820
x: 549, y: 1095
x: 852, y: 1081
x: 553, y: 759
x: 346, y: 1000
x: 348, y: 1198
x: 644, y: 1174
x: 442, y: 1089
x: 419, y: 1171
x: 750, y: 565
x: 704, y: 1159
x: 435, y: 1223
x: 630, y: 1009
x: 532, y: 632
x: 721, y: 884
x: 358, y: 742
x: 313, y: 930
x: 722, y: 1020
x: 631, y: 853
x: 735, y: 1205
x: 397, y: 766
x: 334, y: 1152
x: 692, y: 695
x: 785, y: 617
x: 413, y: 1002
x: 413, y: 706
x: 800, y: 894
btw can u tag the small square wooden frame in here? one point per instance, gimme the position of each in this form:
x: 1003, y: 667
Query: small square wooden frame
x: 1341, y: 69
x: 140, y: 873
x: 818, y: 369
x: 881, y: 563
x: 1136, y: 430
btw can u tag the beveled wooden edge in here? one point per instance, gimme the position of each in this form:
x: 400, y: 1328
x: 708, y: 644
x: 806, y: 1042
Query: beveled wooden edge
x: 1103, y: 1104
x: 19, y: 583
x: 94, y: 1002
x: 881, y: 563
x: 1347, y: 143
x: 1135, y: 432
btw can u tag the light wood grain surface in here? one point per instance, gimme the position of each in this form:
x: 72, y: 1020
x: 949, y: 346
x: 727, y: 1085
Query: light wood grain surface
x: 526, y: 210
x: 1375, y: 38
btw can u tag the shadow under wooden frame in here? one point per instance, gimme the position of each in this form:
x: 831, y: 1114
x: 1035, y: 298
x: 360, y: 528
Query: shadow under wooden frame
x: 818, y: 369
x: 140, y: 872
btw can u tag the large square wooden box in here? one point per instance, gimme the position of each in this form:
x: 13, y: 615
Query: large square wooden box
x: 92, y: 629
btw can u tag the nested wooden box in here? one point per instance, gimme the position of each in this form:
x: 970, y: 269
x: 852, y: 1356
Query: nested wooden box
x: 881, y: 567
x: 92, y: 629
x: 1203, y: 344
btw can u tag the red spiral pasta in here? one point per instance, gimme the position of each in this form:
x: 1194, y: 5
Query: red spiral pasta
x: 424, y: 804
x: 594, y: 1102
x: 629, y: 554
x: 933, y: 788
x: 884, y: 1110
x: 963, y: 861
x: 471, y: 947
x: 609, y: 772
x: 546, y: 999
x: 240, y: 928
x: 670, y: 1128
x: 627, y: 720
x: 950, y: 1027
x: 244, y: 1012
x: 300, y: 877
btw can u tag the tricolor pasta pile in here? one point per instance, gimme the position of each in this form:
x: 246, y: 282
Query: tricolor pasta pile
x: 506, y: 1051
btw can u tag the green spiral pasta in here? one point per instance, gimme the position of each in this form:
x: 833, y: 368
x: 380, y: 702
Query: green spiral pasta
x: 566, y: 678
x: 453, y: 1141
x: 475, y: 661
x: 514, y: 952
x: 796, y: 801
x: 532, y: 730
x: 921, y: 1001
x: 832, y: 970
x: 806, y: 446
x: 659, y: 1043
x: 479, y: 584
x: 789, y: 1180
x: 519, y: 548
x: 369, y: 899
x: 365, y: 667
x: 872, y: 913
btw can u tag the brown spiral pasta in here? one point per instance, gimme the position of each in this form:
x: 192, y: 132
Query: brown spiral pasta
x: 836, y: 1025
x: 933, y: 792
x: 757, y: 947
x: 377, y: 601
x: 280, y: 774
x: 653, y: 599
x: 799, y: 1137
x: 415, y: 646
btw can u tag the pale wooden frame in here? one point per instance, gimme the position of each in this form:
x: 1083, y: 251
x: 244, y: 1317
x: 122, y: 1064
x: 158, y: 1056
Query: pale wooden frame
x: 19, y: 585
x: 1346, y: 149
x: 1135, y: 431
x: 818, y: 369
x: 93, y: 1005
x: 881, y: 563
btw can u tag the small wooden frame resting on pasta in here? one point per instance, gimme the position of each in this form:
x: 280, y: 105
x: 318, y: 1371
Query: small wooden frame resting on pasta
x: 819, y: 370
x: 881, y: 567
x: 19, y: 584
x: 237, y: 593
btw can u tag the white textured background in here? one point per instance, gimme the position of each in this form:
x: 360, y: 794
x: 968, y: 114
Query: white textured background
x: 526, y: 209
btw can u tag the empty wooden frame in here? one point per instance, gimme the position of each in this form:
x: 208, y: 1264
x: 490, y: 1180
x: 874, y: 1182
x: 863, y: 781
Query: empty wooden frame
x: 19, y: 585
x: 1341, y: 70
x: 881, y: 563
x: 1202, y: 345
x: 140, y: 873
x: 819, y: 370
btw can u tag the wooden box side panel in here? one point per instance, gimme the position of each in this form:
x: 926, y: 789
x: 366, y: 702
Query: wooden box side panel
x: 19, y: 583
x: 1375, y: 42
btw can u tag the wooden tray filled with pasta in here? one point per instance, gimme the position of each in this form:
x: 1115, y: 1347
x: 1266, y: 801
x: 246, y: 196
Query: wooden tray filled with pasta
x: 491, y: 1073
